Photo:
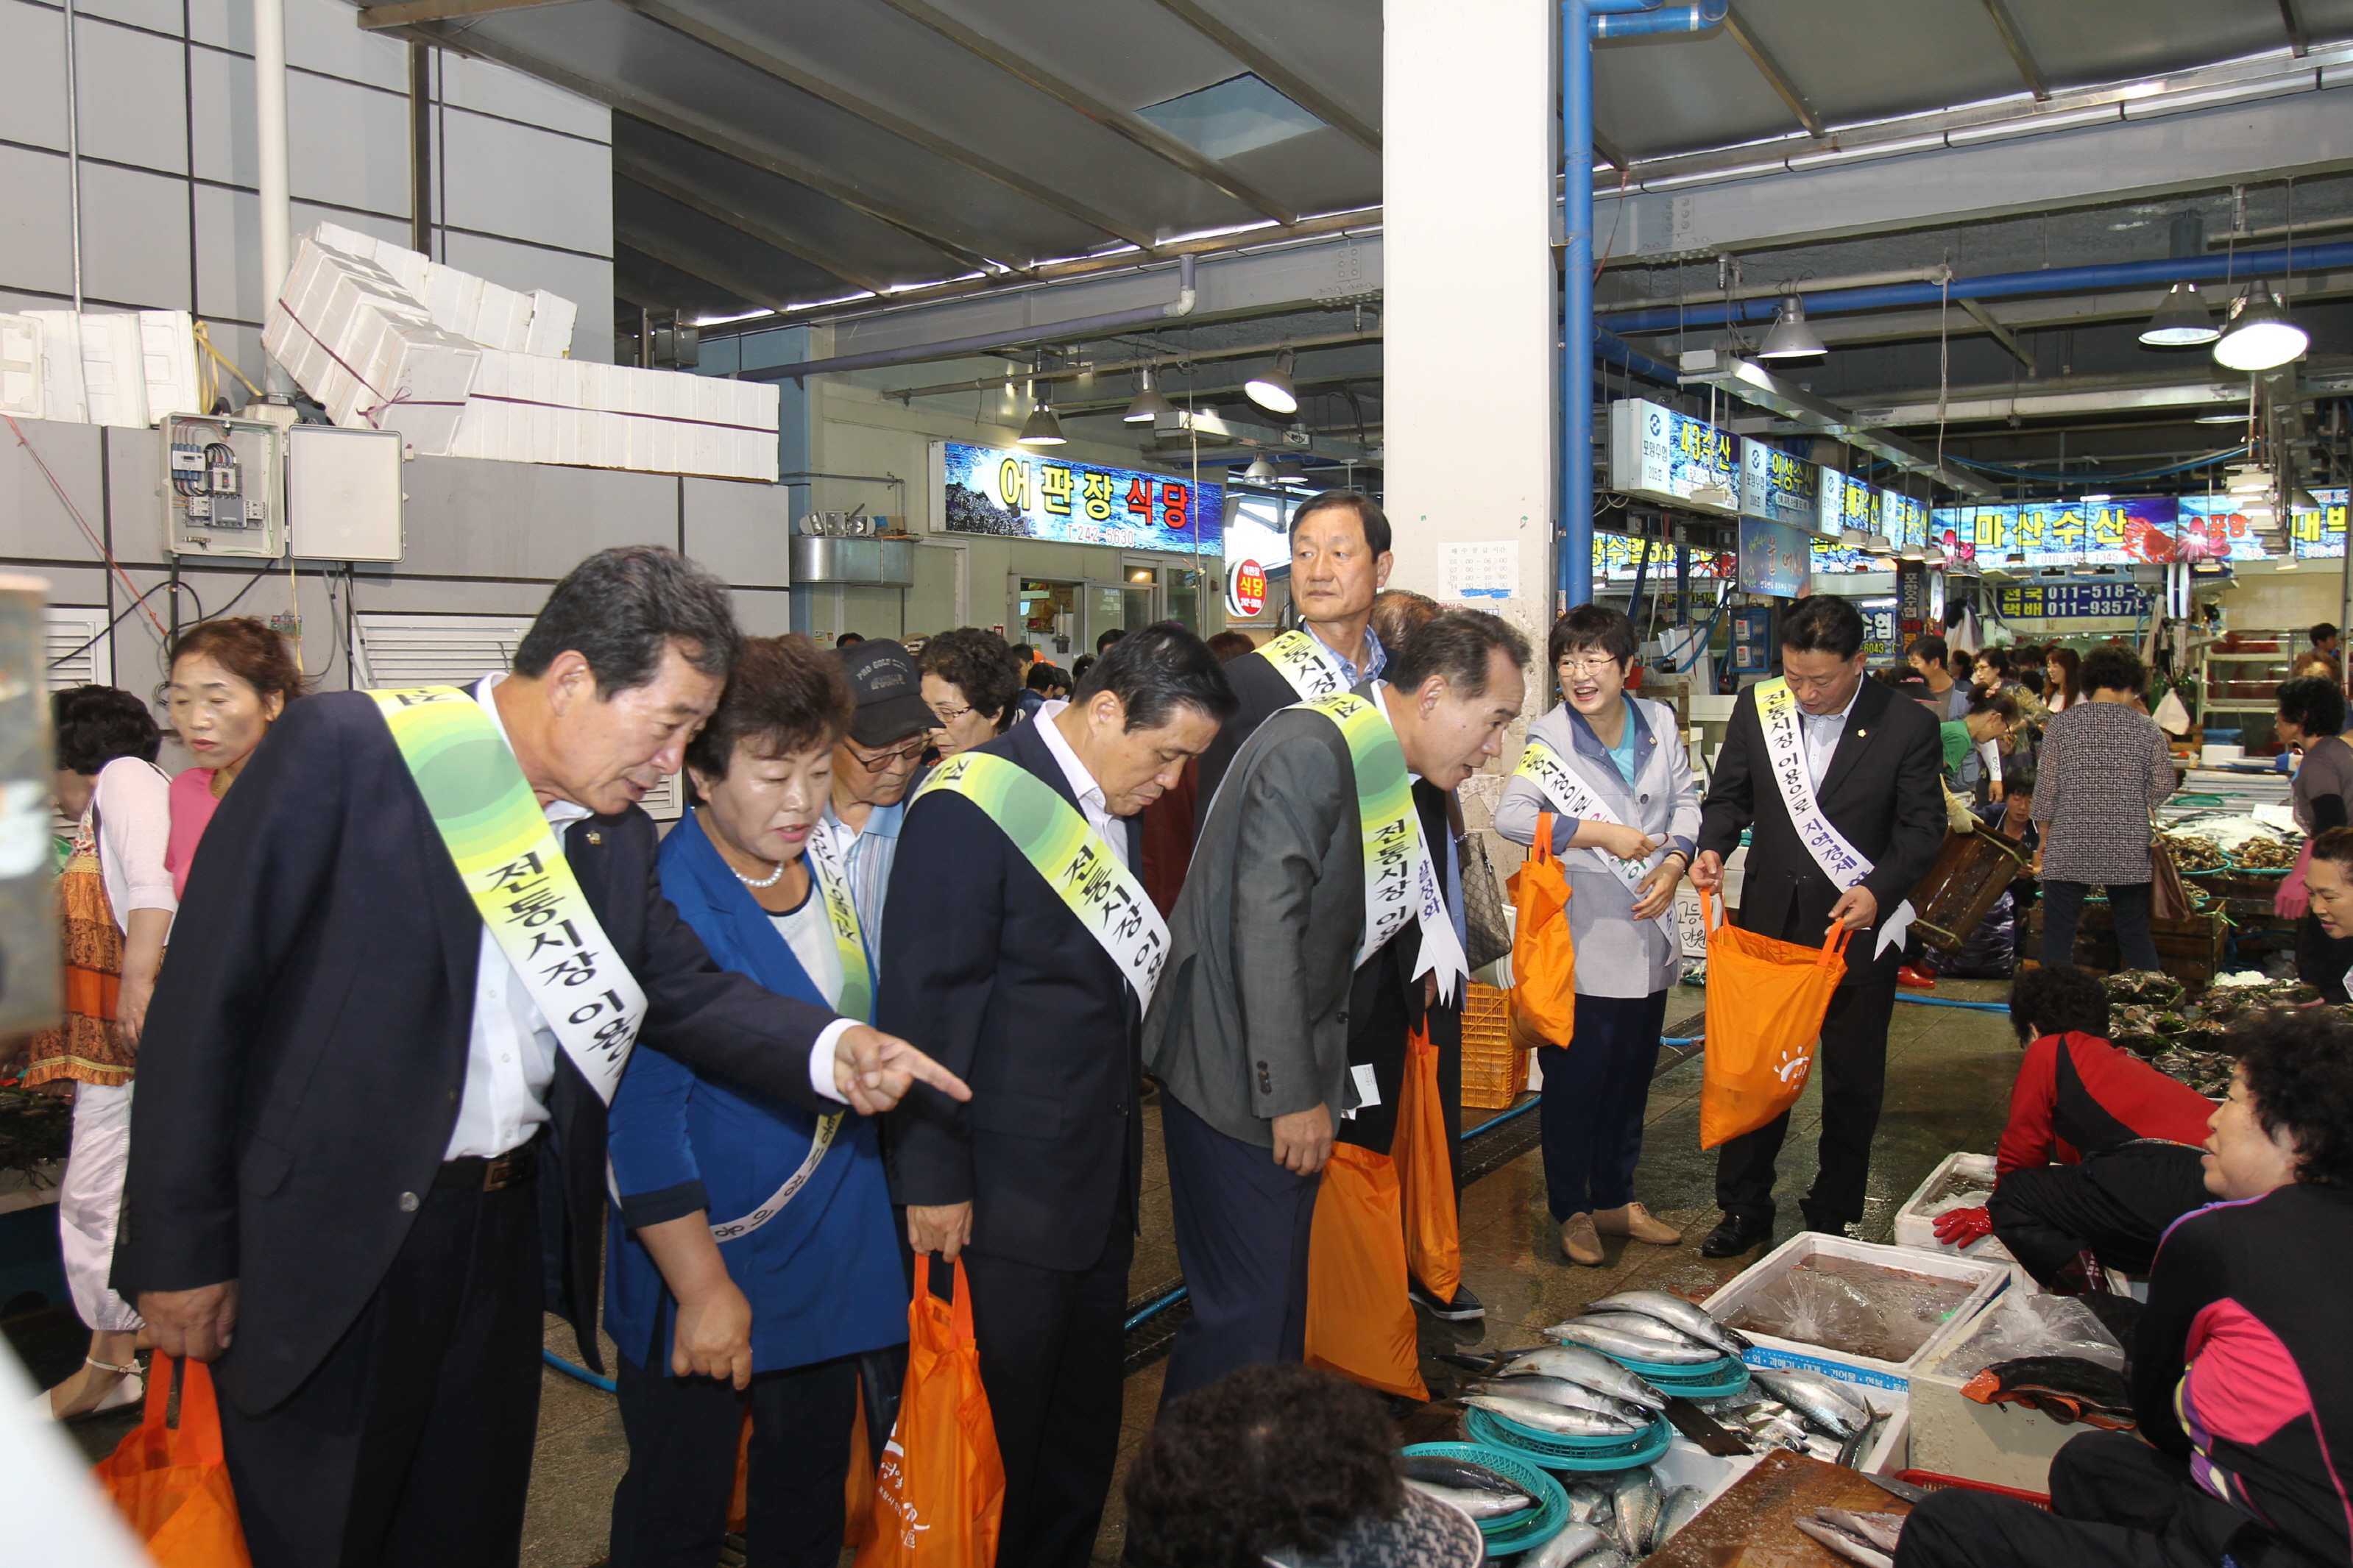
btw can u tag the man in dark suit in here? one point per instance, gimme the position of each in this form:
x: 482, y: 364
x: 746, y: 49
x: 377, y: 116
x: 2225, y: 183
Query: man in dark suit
x: 364, y: 1161
x: 1270, y: 1006
x: 1870, y: 765
x: 1038, y: 1001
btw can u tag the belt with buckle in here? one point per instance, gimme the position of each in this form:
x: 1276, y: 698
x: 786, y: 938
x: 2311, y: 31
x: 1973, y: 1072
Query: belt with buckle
x: 491, y: 1174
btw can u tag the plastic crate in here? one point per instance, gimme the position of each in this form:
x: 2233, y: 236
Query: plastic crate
x: 1493, y: 1073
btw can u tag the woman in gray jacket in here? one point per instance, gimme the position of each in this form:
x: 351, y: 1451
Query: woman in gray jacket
x: 1613, y: 772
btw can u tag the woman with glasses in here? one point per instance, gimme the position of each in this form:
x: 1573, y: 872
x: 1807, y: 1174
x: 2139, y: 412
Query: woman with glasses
x: 1613, y: 771
x: 970, y: 679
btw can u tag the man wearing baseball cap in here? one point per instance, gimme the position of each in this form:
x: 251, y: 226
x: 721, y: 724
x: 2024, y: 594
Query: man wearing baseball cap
x: 875, y: 769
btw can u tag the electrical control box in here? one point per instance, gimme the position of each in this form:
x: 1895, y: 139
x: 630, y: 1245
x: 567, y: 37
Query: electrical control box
x: 224, y: 486
x: 343, y: 493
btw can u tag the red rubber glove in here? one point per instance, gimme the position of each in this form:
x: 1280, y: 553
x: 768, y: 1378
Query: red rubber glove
x: 1960, y: 1227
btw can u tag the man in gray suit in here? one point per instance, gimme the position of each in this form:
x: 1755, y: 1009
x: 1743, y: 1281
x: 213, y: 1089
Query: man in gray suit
x: 1249, y: 1031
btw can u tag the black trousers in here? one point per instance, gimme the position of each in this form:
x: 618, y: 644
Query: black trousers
x: 1050, y: 1351
x: 2115, y: 1502
x: 1595, y: 1092
x: 1853, y: 1062
x: 1243, y: 1225
x: 411, y: 1444
x: 2128, y: 905
x: 2118, y: 1204
x: 671, y: 1509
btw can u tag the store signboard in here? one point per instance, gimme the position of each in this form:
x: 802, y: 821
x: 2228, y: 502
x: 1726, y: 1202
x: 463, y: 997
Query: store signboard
x: 1016, y: 493
x: 1830, y: 556
x: 1616, y: 557
x: 1775, y: 558
x: 1847, y: 502
x: 2062, y: 534
x: 1246, y: 590
x: 1911, y: 606
x: 2058, y: 601
x: 1664, y: 455
x: 2212, y: 528
x: 1902, y: 521
x: 1883, y: 639
x: 1779, y: 487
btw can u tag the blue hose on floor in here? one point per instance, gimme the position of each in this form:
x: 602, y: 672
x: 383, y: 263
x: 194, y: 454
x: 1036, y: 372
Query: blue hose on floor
x: 581, y: 1374
x: 1948, y: 1002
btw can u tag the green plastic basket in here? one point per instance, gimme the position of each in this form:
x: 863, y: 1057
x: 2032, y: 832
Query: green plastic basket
x: 1528, y: 1528
x: 1557, y: 1453
x: 1719, y: 1379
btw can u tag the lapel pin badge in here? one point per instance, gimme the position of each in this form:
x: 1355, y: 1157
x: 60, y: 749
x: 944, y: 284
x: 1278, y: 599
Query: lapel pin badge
x: 596, y: 837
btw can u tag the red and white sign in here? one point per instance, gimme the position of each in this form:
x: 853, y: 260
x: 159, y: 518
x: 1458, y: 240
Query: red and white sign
x: 1246, y: 589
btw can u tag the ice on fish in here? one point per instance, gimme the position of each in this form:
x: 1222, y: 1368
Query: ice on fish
x: 1679, y: 1508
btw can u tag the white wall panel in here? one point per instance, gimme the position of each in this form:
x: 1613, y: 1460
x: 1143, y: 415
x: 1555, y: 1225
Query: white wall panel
x: 469, y: 517
x: 228, y: 255
x: 509, y: 179
x: 221, y: 92
x: 494, y: 89
x: 155, y: 16
x: 134, y: 238
x: 33, y: 109
x: 325, y: 35
x: 348, y: 145
x: 134, y: 96
x: 35, y: 239
x: 32, y: 522
x: 740, y: 531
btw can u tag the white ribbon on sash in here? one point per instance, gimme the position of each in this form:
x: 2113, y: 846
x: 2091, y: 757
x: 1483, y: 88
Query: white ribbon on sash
x: 1301, y: 659
x: 1785, y: 753
x: 1572, y: 796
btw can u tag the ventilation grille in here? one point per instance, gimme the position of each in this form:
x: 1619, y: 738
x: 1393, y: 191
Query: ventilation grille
x: 79, y: 653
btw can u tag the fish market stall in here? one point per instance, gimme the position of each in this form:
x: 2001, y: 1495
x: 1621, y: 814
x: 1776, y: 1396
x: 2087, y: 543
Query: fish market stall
x: 1856, y: 1311
x: 1956, y: 1431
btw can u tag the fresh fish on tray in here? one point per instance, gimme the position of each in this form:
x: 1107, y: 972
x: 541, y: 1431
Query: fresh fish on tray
x: 1636, y: 1338
x: 1554, y: 1418
x: 1563, y: 1391
x: 1867, y: 1539
x: 1444, y: 1470
x: 1478, y: 1504
x: 1573, y: 1544
x: 1634, y: 1502
x: 1679, y: 1508
x: 1673, y: 1311
x: 1819, y: 1401
x: 1582, y: 1364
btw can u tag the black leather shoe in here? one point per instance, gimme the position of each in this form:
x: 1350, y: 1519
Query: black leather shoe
x: 1735, y: 1236
x: 1463, y: 1309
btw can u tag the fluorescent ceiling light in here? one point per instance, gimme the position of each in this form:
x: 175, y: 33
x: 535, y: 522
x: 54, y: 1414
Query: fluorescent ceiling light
x: 1791, y: 337
x: 2259, y: 334
x: 1042, y: 428
x: 2181, y: 319
x: 2231, y: 418
x: 1149, y: 404
x: 1271, y: 389
x: 2097, y: 498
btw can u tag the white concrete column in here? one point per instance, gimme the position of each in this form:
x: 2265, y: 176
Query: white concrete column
x: 1468, y: 384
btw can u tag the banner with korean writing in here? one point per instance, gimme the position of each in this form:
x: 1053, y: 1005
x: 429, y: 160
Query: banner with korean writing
x: 1831, y: 556
x: 1882, y: 639
x: 1664, y: 455
x: 2213, y: 527
x: 1019, y: 494
x: 2074, y: 601
x: 1848, y: 502
x: 1773, y: 558
x: 1779, y: 487
x: 1616, y: 557
x: 1902, y: 520
x: 2062, y: 534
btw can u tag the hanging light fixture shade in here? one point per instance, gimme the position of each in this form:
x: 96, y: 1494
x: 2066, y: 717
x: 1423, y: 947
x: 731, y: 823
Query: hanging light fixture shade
x: 1289, y: 472
x: 1791, y: 337
x: 1261, y: 471
x: 1271, y: 389
x: 2259, y: 334
x: 2181, y: 319
x: 1042, y: 428
x: 1149, y: 404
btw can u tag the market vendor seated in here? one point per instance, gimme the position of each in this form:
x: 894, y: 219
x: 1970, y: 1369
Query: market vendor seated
x: 2241, y: 1384
x: 2102, y: 1150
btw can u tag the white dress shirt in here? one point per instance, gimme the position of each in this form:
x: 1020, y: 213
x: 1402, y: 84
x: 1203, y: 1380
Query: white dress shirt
x: 1092, y: 805
x: 510, y: 1049
x: 1821, y: 733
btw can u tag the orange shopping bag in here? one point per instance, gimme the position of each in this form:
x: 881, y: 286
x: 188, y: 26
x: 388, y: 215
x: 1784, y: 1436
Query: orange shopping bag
x: 1359, y: 1319
x: 171, y: 1483
x: 1433, y: 1245
x: 941, y: 1485
x: 1544, y: 959
x: 1766, y: 1000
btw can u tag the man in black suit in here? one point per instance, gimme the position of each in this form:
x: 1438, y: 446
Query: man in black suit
x: 1855, y: 757
x: 364, y: 1160
x: 1040, y: 1006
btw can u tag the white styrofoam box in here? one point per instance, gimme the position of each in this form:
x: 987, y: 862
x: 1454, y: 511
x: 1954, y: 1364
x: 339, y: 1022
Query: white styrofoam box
x: 62, y: 397
x: 352, y: 338
x: 1686, y: 1463
x: 2004, y: 1444
x: 20, y: 365
x: 1916, y: 1225
x: 113, y: 369
x: 167, y: 341
x: 456, y: 300
x: 1985, y: 1279
x: 2217, y: 756
x: 552, y: 316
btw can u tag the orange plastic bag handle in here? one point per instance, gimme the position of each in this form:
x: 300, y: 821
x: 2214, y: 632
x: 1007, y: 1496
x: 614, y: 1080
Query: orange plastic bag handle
x: 1833, y: 950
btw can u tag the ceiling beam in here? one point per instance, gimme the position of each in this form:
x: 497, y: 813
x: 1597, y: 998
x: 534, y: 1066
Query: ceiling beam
x: 2014, y: 40
x: 1770, y: 70
x: 408, y: 13
x: 951, y: 240
x: 1274, y: 72
x: 688, y: 193
x: 1141, y: 131
x: 1610, y: 154
x: 1167, y: 360
x: 2001, y: 334
x: 746, y: 52
x: 672, y: 255
x: 2299, y: 41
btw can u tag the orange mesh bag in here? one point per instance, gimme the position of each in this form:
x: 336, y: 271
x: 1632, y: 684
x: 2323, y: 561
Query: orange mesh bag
x: 1433, y: 1245
x: 1544, y: 959
x: 171, y: 1483
x: 1359, y: 1319
x: 1766, y: 1001
x: 940, y: 1489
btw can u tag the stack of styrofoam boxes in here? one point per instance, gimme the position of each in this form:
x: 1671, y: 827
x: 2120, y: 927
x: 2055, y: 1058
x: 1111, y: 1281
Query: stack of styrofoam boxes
x: 530, y: 408
x: 366, y: 350
x: 1887, y: 1385
x: 98, y: 367
x: 475, y: 309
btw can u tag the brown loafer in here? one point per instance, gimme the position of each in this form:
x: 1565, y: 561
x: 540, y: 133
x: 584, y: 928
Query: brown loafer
x: 1578, y: 1243
x: 1634, y: 1220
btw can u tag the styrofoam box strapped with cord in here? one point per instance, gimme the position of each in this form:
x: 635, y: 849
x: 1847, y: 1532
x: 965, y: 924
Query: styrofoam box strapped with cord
x: 395, y: 650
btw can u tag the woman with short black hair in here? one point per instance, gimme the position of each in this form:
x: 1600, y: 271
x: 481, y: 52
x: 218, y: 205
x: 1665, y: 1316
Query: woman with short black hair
x: 970, y: 679
x: 116, y: 904
x: 2105, y: 766
x: 2312, y: 719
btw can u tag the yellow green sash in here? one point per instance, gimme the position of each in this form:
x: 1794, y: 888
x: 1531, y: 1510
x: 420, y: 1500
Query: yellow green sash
x: 1313, y: 669
x: 833, y: 886
x: 514, y: 869
x: 1048, y: 830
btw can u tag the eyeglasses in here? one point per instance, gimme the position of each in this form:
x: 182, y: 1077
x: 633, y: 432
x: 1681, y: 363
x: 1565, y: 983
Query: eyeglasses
x: 1587, y: 664
x: 949, y: 714
x: 898, y: 757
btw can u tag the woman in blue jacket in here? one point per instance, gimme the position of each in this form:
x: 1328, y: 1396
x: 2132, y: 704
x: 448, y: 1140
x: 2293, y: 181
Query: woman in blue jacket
x: 751, y: 1257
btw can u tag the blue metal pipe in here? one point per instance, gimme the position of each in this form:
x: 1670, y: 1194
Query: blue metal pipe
x: 1574, y: 567
x: 1613, y: 7
x: 1678, y: 19
x: 1618, y: 351
x: 2249, y: 266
